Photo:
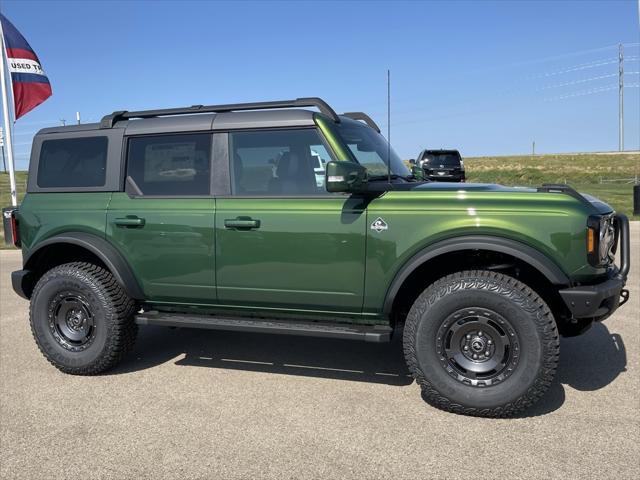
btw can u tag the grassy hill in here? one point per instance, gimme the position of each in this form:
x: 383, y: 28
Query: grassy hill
x: 588, y: 173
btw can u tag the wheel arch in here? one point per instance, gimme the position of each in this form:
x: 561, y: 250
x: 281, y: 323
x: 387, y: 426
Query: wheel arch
x: 71, y: 246
x: 526, y: 254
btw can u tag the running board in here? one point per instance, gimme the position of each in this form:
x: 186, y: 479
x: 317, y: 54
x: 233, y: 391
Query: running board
x: 367, y: 333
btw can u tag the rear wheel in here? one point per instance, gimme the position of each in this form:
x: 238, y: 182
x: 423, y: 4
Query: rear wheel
x: 81, y: 318
x: 481, y: 343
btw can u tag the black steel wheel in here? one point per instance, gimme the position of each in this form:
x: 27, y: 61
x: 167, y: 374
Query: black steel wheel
x: 81, y: 319
x: 71, y: 321
x: 478, y: 346
x: 481, y: 343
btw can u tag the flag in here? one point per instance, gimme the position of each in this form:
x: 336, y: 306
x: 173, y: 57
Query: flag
x: 30, y: 85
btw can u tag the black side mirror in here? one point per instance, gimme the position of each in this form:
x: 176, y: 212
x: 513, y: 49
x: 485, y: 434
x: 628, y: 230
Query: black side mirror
x: 345, y: 176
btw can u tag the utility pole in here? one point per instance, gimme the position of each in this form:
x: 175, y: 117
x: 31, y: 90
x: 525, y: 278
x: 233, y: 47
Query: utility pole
x: 63, y: 122
x: 6, y: 115
x: 389, y: 125
x: 533, y: 148
x: 620, y: 97
x: 78, y: 117
x: 4, y: 161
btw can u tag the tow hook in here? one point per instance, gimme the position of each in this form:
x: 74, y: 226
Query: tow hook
x: 624, y: 297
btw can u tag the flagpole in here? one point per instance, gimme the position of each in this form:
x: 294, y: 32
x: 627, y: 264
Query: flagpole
x: 7, y: 121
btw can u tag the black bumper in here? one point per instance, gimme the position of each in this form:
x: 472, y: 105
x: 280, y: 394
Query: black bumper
x: 21, y: 284
x: 595, y: 301
x: 601, y: 300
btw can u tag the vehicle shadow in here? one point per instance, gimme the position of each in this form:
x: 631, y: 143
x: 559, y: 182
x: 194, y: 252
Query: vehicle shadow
x: 283, y: 354
x: 589, y: 362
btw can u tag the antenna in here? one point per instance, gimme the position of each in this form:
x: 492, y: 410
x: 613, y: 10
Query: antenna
x: 389, y: 125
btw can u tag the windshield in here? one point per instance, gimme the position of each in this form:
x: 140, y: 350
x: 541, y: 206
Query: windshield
x: 449, y: 159
x: 370, y: 149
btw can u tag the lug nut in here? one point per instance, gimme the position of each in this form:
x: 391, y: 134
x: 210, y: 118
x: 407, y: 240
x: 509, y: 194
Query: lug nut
x: 489, y: 341
x: 466, y: 347
x: 468, y: 336
x: 475, y: 356
x: 486, y: 353
x: 480, y: 333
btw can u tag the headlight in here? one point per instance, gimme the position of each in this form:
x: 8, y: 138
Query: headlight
x: 601, y: 239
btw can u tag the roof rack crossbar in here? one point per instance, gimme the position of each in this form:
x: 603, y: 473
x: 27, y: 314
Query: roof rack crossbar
x: 108, y: 121
x: 364, y: 117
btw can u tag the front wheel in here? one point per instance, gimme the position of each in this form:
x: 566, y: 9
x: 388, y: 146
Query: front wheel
x: 481, y: 343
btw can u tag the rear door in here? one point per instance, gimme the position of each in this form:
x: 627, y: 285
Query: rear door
x: 283, y: 241
x: 164, y: 222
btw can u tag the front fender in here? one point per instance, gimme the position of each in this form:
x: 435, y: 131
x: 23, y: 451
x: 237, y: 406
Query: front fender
x: 529, y: 255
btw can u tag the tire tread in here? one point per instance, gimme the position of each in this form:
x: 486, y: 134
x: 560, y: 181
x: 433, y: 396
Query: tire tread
x: 119, y: 315
x: 513, y: 290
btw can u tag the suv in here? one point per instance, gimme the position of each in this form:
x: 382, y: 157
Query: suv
x: 212, y: 217
x: 441, y: 165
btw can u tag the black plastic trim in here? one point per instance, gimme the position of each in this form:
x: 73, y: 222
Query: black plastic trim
x: 367, y: 333
x: 588, y: 301
x: 108, y: 121
x: 529, y: 255
x: 567, y: 190
x: 106, y: 252
x: 20, y: 280
x: 364, y: 117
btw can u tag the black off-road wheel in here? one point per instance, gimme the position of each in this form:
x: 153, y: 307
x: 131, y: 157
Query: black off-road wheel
x: 81, y: 319
x: 481, y: 343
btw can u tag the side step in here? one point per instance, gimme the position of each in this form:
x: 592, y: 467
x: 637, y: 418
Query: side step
x: 367, y: 333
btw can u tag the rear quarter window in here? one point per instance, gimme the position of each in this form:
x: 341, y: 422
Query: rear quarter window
x: 73, y: 162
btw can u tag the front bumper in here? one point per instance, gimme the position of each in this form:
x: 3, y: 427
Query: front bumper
x: 602, y: 299
x: 595, y: 301
x: 456, y: 177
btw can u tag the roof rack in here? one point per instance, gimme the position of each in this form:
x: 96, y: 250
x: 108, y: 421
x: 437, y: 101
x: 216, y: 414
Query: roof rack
x: 363, y: 116
x: 108, y: 121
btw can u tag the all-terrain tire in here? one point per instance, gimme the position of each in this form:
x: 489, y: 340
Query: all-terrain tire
x: 513, y: 311
x: 89, y: 292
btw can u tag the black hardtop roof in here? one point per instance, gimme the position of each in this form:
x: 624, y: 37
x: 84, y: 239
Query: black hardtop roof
x: 281, y: 113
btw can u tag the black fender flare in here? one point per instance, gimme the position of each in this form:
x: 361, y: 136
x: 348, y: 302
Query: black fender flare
x: 522, y: 251
x: 106, y: 252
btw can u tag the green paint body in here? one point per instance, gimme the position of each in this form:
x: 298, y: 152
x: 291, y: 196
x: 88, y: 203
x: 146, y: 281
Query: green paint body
x: 311, y: 257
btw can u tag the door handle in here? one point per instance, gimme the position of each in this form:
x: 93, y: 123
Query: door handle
x: 129, y: 222
x: 241, y: 223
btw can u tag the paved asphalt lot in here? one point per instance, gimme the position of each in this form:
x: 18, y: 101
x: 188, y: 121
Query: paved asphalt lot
x: 197, y: 404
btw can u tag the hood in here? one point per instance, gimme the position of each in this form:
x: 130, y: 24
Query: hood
x: 468, y: 187
x: 595, y: 204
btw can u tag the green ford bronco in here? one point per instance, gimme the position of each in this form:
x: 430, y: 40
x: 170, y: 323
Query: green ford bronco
x: 269, y: 217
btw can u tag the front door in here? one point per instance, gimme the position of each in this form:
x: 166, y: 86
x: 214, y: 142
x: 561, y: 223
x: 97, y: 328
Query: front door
x: 283, y: 241
x: 164, y: 224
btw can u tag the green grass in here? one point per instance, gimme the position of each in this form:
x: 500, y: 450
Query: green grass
x: 584, y: 172
x: 5, y: 195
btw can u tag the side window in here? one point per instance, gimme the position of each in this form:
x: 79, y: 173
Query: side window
x: 73, y: 162
x: 278, y: 162
x: 177, y: 165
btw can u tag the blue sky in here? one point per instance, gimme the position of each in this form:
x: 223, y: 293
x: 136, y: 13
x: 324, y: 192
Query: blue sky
x: 484, y: 77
